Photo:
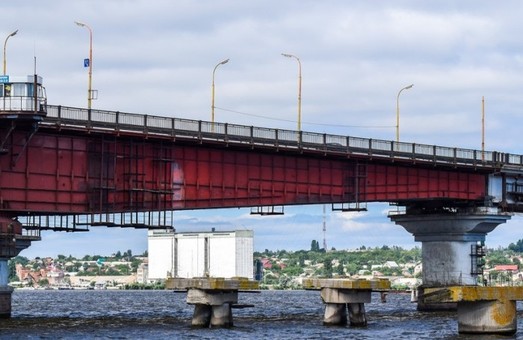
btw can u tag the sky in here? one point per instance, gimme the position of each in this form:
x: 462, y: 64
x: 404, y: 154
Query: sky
x: 157, y: 57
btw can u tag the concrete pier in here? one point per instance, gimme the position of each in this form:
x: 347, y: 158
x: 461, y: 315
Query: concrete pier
x: 212, y: 298
x: 5, y: 290
x: 447, y: 240
x: 201, y: 316
x: 346, y: 295
x: 335, y: 314
x: 481, y: 310
x: 5, y: 302
x: 12, y: 242
x: 451, y: 246
x: 452, y: 251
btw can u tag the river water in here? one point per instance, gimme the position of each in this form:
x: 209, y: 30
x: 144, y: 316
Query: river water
x: 103, y: 314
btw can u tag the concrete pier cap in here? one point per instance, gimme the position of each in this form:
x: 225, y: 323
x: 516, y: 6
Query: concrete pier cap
x: 472, y: 224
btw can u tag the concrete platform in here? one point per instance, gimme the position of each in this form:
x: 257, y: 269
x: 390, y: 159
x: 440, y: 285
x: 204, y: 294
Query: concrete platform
x: 481, y: 310
x: 374, y: 285
x: 212, y: 298
x: 346, y: 295
x: 240, y: 283
x: 472, y: 293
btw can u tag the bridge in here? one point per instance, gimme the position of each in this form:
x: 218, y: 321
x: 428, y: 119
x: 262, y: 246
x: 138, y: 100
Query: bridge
x: 78, y: 168
x: 82, y: 161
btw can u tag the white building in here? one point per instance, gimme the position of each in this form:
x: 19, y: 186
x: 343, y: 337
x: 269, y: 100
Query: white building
x: 197, y: 254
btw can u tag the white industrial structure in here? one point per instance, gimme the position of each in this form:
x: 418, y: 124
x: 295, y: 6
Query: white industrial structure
x: 224, y: 254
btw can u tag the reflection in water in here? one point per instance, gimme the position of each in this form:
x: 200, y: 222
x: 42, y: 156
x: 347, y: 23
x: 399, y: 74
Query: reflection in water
x: 164, y: 314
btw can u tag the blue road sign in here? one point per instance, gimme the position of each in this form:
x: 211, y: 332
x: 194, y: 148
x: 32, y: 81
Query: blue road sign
x: 4, y: 79
x: 86, y: 62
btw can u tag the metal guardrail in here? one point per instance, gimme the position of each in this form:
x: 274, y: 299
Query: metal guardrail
x: 277, y: 138
x: 21, y: 103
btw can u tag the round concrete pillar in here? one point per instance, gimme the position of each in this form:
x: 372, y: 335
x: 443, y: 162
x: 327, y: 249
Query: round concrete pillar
x: 357, y: 315
x: 201, y: 316
x: 4, y: 272
x: 221, y: 316
x: 335, y: 314
x: 5, y: 302
x: 484, y: 317
x: 5, y: 290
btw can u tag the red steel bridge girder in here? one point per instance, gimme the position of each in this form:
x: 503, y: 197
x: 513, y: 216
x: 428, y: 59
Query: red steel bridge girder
x: 60, y: 173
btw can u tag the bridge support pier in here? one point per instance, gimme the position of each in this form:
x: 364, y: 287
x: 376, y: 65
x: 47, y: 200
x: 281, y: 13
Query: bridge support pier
x: 449, y: 242
x: 481, y: 310
x: 5, y: 290
x: 452, y: 251
x: 212, y: 308
x: 11, y: 244
x: 339, y: 301
x: 345, y: 295
x: 487, y: 317
x: 213, y: 298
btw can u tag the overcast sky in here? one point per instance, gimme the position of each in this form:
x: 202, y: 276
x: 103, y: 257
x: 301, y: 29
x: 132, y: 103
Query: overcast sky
x: 157, y: 57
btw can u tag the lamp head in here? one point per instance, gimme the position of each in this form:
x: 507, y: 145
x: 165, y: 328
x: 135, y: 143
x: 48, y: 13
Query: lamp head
x: 409, y: 87
x: 287, y: 55
x: 14, y: 33
x: 79, y: 24
x: 224, y: 62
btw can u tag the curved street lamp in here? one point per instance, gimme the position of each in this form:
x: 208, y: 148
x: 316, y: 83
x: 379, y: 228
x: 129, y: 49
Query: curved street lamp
x: 212, y: 104
x: 299, y: 86
x: 398, y: 111
x: 5, y: 45
x: 90, y: 81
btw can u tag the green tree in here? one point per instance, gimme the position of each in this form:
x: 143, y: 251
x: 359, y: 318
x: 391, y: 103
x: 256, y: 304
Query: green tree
x: 352, y: 268
x: 497, y: 258
x: 112, y: 271
x: 301, y: 261
x: 292, y: 271
x: 315, y: 246
x: 327, y: 267
x: 12, y: 266
x: 518, y: 247
x: 340, y: 271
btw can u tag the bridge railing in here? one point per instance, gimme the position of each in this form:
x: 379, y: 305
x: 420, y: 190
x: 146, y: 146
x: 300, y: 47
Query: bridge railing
x: 277, y: 138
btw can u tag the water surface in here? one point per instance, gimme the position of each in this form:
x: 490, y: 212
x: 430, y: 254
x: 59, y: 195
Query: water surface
x: 103, y: 314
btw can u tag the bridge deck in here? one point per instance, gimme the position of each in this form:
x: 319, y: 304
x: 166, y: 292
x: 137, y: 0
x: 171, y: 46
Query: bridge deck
x: 249, y: 136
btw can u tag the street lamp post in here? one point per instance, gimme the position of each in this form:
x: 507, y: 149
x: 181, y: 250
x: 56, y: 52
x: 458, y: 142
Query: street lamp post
x: 398, y: 111
x: 90, y: 81
x: 5, y: 45
x: 212, y: 103
x: 299, y: 86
